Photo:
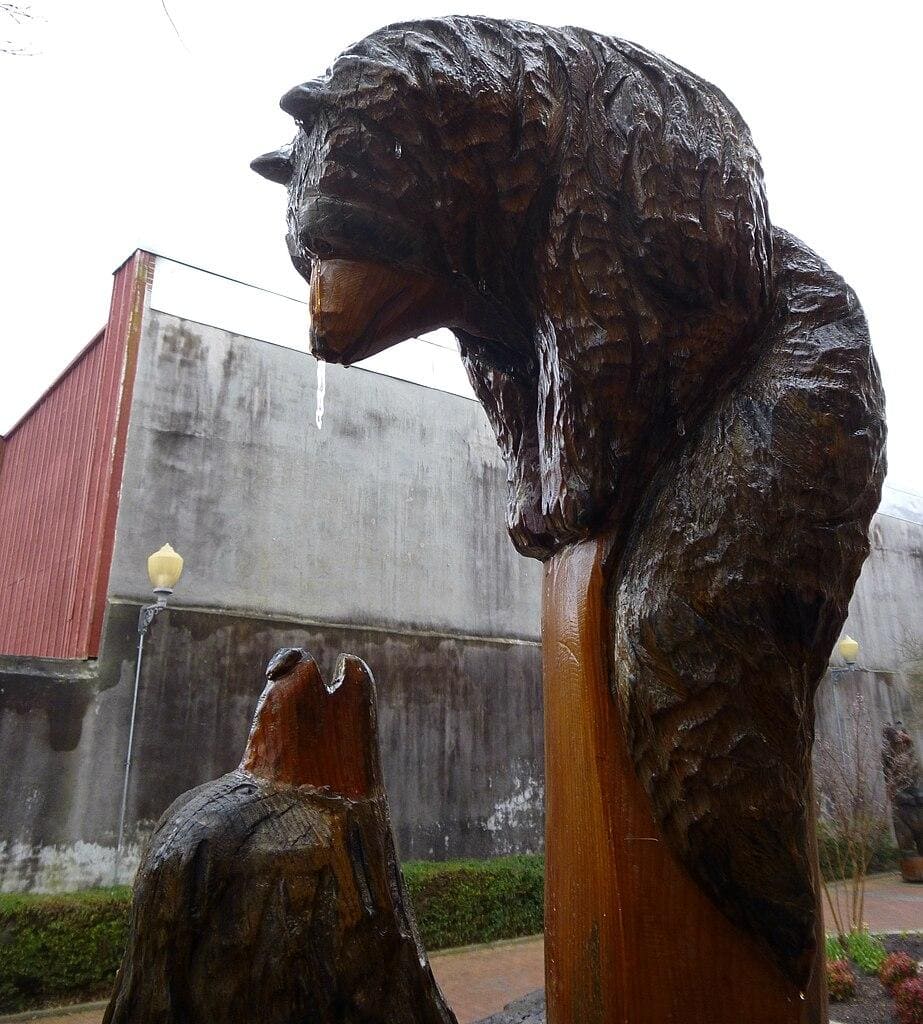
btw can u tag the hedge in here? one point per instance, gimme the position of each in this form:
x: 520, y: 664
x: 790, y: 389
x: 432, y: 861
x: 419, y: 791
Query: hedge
x: 66, y: 948
x: 62, y: 948
x: 466, y: 901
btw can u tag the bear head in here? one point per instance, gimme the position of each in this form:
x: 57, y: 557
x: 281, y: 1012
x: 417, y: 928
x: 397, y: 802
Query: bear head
x: 587, y: 217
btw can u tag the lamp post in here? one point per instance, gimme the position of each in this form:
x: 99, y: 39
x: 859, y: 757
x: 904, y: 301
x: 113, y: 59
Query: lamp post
x: 164, y: 569
x: 849, y: 652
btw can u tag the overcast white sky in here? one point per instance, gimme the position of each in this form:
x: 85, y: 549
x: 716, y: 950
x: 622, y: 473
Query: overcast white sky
x: 117, y: 134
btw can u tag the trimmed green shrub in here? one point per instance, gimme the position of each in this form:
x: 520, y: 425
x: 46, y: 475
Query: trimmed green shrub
x: 463, y: 902
x: 866, y: 951
x: 841, y: 982
x: 67, y: 947
x: 62, y: 947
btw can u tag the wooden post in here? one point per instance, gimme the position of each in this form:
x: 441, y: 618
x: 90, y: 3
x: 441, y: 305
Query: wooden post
x: 630, y: 938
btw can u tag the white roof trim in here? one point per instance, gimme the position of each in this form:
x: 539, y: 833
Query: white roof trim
x: 206, y: 298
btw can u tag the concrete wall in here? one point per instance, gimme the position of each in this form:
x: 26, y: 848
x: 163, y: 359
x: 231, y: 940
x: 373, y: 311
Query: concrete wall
x: 886, y: 611
x: 886, y: 617
x: 391, y: 515
x: 460, y: 729
x: 885, y: 699
x: 381, y: 534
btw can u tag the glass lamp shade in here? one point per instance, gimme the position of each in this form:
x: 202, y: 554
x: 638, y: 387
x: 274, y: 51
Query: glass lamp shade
x: 164, y: 568
x: 849, y: 649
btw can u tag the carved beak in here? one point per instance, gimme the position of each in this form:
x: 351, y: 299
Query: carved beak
x: 359, y: 308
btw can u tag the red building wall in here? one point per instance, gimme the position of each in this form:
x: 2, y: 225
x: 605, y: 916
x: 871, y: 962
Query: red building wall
x: 60, y: 473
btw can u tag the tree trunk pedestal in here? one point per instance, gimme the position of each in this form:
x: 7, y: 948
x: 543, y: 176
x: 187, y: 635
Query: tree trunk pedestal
x: 629, y: 936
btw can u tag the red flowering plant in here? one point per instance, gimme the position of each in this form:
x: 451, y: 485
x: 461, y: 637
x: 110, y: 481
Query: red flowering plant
x: 841, y: 982
x: 897, y: 967
x: 908, y: 1001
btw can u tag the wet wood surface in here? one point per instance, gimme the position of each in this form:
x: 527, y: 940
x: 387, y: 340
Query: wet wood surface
x: 629, y: 935
x: 666, y: 369
x: 274, y: 894
x: 360, y: 307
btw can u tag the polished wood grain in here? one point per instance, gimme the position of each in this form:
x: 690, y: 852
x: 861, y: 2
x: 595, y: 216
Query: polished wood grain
x: 629, y: 935
x: 306, y: 733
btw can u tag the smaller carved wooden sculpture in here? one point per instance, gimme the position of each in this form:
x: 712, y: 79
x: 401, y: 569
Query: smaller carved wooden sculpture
x: 904, y: 785
x: 274, y: 894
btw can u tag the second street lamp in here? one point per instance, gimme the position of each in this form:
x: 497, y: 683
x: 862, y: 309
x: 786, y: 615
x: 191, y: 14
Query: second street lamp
x: 848, y: 649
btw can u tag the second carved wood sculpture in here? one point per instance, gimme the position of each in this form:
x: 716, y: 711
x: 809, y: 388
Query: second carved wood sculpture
x: 692, y: 420
x: 273, y: 895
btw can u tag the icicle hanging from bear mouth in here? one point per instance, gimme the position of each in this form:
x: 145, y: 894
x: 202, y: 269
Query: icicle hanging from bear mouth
x: 321, y: 392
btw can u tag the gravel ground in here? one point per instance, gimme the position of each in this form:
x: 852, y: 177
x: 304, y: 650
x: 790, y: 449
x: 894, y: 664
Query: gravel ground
x: 873, y: 1005
x: 530, y: 1010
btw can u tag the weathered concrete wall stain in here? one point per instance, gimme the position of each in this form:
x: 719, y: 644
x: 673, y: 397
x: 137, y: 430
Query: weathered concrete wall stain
x: 460, y: 727
x: 392, y: 515
x: 886, y: 616
x: 381, y: 535
x: 519, y: 811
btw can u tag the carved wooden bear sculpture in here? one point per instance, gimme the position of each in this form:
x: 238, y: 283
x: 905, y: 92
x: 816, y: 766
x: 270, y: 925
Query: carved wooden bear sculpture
x: 669, y: 376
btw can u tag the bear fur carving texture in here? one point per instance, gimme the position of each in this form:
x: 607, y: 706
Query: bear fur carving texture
x: 661, y: 365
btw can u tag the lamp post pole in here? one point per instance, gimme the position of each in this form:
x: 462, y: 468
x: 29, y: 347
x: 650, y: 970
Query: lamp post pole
x: 849, y: 651
x: 164, y: 569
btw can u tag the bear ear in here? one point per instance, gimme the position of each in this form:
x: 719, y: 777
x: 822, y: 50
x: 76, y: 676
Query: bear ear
x: 276, y: 166
x: 303, y: 101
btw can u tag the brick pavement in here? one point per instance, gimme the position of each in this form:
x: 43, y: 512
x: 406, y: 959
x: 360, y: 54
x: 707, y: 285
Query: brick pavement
x: 480, y: 980
x: 890, y: 905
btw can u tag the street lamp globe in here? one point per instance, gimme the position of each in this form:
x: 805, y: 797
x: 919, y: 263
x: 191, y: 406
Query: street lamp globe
x: 849, y: 649
x: 164, y: 568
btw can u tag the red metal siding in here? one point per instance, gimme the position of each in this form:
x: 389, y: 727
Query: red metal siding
x: 60, y: 474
